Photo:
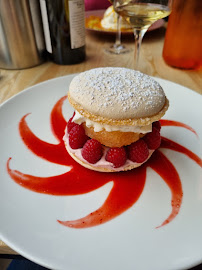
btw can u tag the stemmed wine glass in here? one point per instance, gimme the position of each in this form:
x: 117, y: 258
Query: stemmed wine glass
x: 117, y: 47
x: 141, y: 14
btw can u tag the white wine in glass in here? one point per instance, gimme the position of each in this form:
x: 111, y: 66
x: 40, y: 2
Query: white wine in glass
x: 141, y: 14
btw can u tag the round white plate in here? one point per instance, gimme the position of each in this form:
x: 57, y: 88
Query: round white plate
x: 99, y: 14
x: 28, y: 220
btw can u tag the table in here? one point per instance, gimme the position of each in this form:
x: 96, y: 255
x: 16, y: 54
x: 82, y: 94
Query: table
x: 151, y: 63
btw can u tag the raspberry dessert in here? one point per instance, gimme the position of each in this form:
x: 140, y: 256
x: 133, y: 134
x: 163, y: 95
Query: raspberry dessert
x: 115, y: 126
x: 109, y: 20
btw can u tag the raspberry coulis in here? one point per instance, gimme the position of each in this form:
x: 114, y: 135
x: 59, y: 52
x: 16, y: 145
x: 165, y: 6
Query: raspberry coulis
x: 127, y: 186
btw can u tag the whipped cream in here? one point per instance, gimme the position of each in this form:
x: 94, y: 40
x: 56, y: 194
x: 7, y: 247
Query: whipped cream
x: 79, y: 119
x: 102, y: 162
x: 109, y: 20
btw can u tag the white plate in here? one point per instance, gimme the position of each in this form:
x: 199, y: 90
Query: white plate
x: 130, y: 241
x: 99, y: 14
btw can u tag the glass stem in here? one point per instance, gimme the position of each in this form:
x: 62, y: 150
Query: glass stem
x: 118, y: 32
x: 138, y: 34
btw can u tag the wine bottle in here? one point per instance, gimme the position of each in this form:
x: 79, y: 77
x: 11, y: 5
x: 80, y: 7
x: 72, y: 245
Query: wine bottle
x: 64, y: 30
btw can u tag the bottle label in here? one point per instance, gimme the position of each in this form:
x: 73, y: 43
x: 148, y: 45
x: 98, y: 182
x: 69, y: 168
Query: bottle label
x: 77, y: 23
x: 46, y: 29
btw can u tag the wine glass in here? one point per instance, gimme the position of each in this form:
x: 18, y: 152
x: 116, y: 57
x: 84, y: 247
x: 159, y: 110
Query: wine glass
x: 117, y: 47
x: 141, y: 14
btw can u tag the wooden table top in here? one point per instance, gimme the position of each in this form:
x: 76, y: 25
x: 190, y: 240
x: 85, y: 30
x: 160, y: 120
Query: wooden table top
x: 151, y: 63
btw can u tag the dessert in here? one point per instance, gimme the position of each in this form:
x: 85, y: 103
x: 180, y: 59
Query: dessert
x: 115, y: 126
x: 109, y: 20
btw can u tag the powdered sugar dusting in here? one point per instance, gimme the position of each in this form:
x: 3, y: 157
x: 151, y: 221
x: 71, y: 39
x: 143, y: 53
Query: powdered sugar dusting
x: 118, y: 93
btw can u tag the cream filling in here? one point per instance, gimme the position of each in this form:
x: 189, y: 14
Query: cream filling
x: 109, y: 20
x: 79, y: 119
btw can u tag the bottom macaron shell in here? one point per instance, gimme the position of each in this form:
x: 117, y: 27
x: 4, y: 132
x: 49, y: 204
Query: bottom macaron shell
x: 102, y: 165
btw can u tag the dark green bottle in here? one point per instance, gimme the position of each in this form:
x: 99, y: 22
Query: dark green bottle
x: 64, y: 29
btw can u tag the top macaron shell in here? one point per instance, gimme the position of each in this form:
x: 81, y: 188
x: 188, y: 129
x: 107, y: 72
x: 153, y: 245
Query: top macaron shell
x: 117, y: 93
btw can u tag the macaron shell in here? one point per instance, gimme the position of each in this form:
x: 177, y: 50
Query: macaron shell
x: 142, y: 121
x: 94, y: 167
x: 116, y: 93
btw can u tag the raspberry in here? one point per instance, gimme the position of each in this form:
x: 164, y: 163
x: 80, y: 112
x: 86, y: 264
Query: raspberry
x: 71, y: 124
x: 117, y: 156
x: 92, y: 151
x: 156, y: 125
x: 138, y: 151
x: 153, y: 139
x: 77, y: 137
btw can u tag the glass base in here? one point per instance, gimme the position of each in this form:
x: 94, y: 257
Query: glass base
x: 117, y: 49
